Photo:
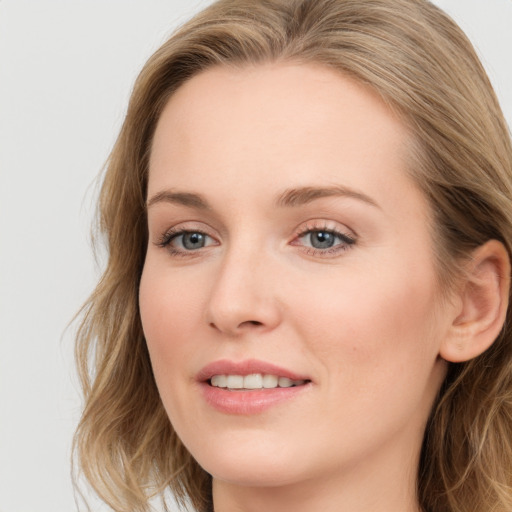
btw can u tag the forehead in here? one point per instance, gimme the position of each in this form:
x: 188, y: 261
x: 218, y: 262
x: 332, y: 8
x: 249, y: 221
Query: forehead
x: 281, y: 124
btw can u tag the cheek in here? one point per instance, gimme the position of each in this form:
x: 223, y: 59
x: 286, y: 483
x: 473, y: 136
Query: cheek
x: 169, y: 310
x: 168, y: 305
x: 373, y: 329
x: 377, y: 344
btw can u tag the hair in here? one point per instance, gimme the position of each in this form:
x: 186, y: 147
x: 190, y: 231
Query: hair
x: 423, y: 66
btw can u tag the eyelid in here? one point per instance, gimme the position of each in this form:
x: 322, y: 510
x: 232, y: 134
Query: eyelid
x: 169, y: 236
x: 346, y: 235
x: 166, y: 237
x: 325, y: 225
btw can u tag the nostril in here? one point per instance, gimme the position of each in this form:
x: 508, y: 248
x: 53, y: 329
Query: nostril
x: 246, y: 324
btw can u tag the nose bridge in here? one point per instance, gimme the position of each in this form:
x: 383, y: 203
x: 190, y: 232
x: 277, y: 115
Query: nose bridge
x: 243, y: 294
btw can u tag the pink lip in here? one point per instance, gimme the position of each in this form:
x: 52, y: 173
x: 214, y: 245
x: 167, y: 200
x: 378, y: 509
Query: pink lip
x: 247, y: 402
x: 225, y: 367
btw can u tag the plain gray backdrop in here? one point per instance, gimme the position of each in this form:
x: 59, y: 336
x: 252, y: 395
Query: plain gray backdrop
x: 66, y: 71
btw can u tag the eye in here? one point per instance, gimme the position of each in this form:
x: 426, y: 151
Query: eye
x: 320, y: 239
x: 190, y: 240
x: 183, y: 241
x: 323, y: 241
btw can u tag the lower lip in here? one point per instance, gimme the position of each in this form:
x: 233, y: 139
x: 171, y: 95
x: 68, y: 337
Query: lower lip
x: 248, y: 402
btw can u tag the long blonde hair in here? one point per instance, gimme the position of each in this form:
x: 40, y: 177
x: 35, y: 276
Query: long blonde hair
x: 424, y: 67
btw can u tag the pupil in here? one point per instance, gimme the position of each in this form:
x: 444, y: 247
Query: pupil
x: 193, y: 240
x: 322, y: 240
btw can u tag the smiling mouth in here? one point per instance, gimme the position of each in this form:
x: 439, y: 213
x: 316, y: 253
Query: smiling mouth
x: 254, y: 381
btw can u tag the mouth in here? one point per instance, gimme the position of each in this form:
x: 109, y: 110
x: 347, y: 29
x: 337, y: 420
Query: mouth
x: 254, y: 381
x: 249, y: 387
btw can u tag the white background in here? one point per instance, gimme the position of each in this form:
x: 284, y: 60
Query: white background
x: 66, y: 71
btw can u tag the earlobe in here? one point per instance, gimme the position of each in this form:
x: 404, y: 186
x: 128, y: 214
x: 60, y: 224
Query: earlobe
x: 483, y: 303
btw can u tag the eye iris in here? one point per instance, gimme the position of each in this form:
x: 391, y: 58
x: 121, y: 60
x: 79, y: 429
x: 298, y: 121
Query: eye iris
x: 193, y: 240
x: 322, y: 239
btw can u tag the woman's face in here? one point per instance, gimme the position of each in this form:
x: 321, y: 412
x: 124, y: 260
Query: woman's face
x: 288, y: 245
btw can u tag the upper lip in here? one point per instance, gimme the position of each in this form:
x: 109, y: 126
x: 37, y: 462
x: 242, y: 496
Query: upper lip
x: 246, y: 367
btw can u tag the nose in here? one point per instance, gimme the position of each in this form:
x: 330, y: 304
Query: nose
x: 243, y: 298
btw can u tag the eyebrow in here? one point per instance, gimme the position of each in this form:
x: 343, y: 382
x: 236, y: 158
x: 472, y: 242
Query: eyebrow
x: 300, y: 196
x: 184, y: 198
x: 290, y: 198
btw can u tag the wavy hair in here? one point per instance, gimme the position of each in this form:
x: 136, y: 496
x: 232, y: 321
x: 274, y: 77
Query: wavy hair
x: 424, y: 67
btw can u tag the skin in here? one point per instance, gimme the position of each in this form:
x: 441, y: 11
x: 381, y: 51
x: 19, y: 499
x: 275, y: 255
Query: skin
x: 364, y: 321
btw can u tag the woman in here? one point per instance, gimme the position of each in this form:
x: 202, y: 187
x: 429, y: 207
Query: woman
x: 308, y: 220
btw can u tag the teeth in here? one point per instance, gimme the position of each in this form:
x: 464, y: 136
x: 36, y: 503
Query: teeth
x: 253, y: 381
x: 284, y: 382
x: 219, y: 381
x: 234, y: 382
x: 270, y: 381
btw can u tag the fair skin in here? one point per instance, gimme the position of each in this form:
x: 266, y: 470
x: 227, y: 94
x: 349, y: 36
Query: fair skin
x: 333, y: 282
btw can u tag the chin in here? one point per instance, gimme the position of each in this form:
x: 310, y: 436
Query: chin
x: 254, y: 474
x: 250, y: 464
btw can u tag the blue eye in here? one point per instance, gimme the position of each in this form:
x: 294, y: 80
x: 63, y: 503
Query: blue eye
x: 322, y: 240
x: 183, y: 241
x: 191, y: 240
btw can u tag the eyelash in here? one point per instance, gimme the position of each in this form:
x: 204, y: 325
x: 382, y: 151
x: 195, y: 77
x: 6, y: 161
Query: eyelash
x: 172, y: 234
x: 345, y: 240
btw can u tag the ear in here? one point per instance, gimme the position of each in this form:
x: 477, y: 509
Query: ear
x: 483, y: 299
